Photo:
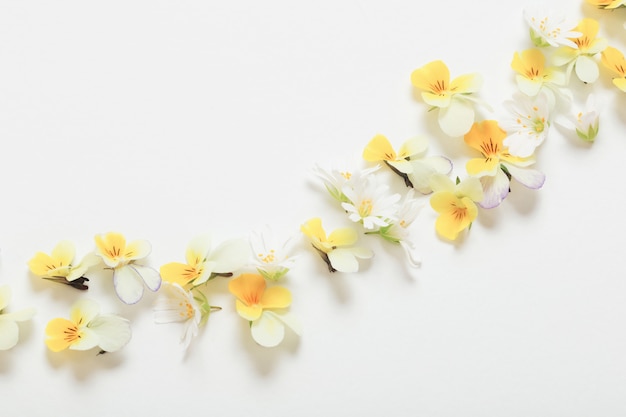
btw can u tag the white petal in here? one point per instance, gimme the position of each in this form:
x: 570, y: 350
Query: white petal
x: 289, y: 319
x: 268, y: 330
x: 128, y: 284
x: 143, y: 249
x: 113, y: 332
x: 403, y: 166
x: 88, y: 340
x: 470, y: 187
x: 423, y: 170
x: 5, y: 296
x: 344, y: 259
x: 528, y: 87
x: 530, y: 178
x: 456, y: 119
x: 439, y: 182
x: 22, y: 315
x: 9, y: 334
x: 231, y: 255
x: 495, y: 189
x: 412, y: 258
x: 150, y: 276
x: 586, y: 69
x: 200, y: 245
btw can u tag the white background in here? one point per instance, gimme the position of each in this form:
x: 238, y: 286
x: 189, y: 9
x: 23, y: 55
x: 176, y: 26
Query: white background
x: 167, y: 119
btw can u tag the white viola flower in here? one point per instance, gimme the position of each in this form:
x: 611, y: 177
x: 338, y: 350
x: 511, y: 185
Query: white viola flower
x: 580, y: 57
x: 272, y: 260
x: 370, y: 203
x: 550, y: 29
x: 205, y: 263
x: 9, y: 330
x: 337, y: 248
x: 175, y: 305
x: 586, y: 123
x: 336, y: 178
x: 87, y: 328
x: 528, y: 123
x: 128, y: 277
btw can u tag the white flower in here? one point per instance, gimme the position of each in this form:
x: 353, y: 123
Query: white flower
x: 9, y: 330
x: 272, y: 260
x: 335, y: 179
x: 398, y: 231
x: 527, y: 126
x: 370, y: 203
x: 586, y: 123
x: 547, y: 28
x: 87, y: 328
x: 173, y: 305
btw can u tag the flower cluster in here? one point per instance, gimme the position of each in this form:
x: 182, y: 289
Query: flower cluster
x: 503, y: 148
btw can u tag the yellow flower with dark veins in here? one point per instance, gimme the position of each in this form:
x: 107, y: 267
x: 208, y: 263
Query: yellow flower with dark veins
x: 452, y: 98
x: 455, y: 204
x: 614, y: 60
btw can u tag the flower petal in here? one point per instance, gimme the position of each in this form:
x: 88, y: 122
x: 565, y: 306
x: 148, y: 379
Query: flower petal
x: 248, y: 312
x: 9, y: 334
x: 64, y: 252
x: 230, y: 256
x: 87, y: 340
x: 55, y: 334
x: 495, y: 189
x: 177, y: 273
x: 22, y: 315
x: 268, y: 330
x: 198, y: 249
x: 113, y: 332
x: 530, y: 178
x: 586, y: 69
x: 456, y: 119
x: 379, y: 149
x: 137, y: 249
x: 83, y: 311
x: 128, y: 284
x: 5, y: 296
x: 344, y: 236
x: 276, y: 297
x: 149, y: 275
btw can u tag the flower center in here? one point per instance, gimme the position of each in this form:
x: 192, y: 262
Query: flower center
x: 346, y: 175
x: 268, y: 258
x: 186, y: 309
x: 365, y: 208
x: 71, y: 334
x: 439, y: 88
x: 490, y: 149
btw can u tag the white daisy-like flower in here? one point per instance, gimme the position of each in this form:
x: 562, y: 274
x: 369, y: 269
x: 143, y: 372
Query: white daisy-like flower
x: 550, y: 29
x: 585, y: 123
x: 528, y: 124
x: 398, y: 231
x: 336, y: 178
x: 175, y: 305
x: 271, y: 260
x: 370, y: 203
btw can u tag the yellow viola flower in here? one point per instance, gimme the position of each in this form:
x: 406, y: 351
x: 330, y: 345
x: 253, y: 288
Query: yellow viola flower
x: 409, y: 162
x: 614, y: 60
x: 128, y: 276
x: 497, y: 166
x: 580, y: 58
x: 534, y: 77
x: 86, y: 329
x: 59, y: 266
x: 335, y: 249
x: 455, y: 204
x: 204, y: 263
x: 9, y: 329
x: 607, y: 4
x: 264, y: 308
x: 452, y: 98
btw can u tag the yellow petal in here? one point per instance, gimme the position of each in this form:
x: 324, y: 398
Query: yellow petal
x: 343, y: 237
x: 379, y: 149
x: 442, y: 201
x: 313, y: 229
x: 433, y: 77
x: 468, y: 83
x: 614, y: 60
x: 250, y: 313
x: 60, y: 334
x: 41, y: 264
x: 460, y: 215
x: 413, y: 146
x: 620, y: 83
x: 178, y: 273
x: 530, y: 63
x: 111, y: 246
x: 248, y: 288
x: 482, y: 166
x: 486, y: 137
x: 276, y: 297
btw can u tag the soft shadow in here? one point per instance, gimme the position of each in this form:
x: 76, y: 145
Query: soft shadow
x: 84, y: 364
x: 265, y: 359
x: 489, y: 218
